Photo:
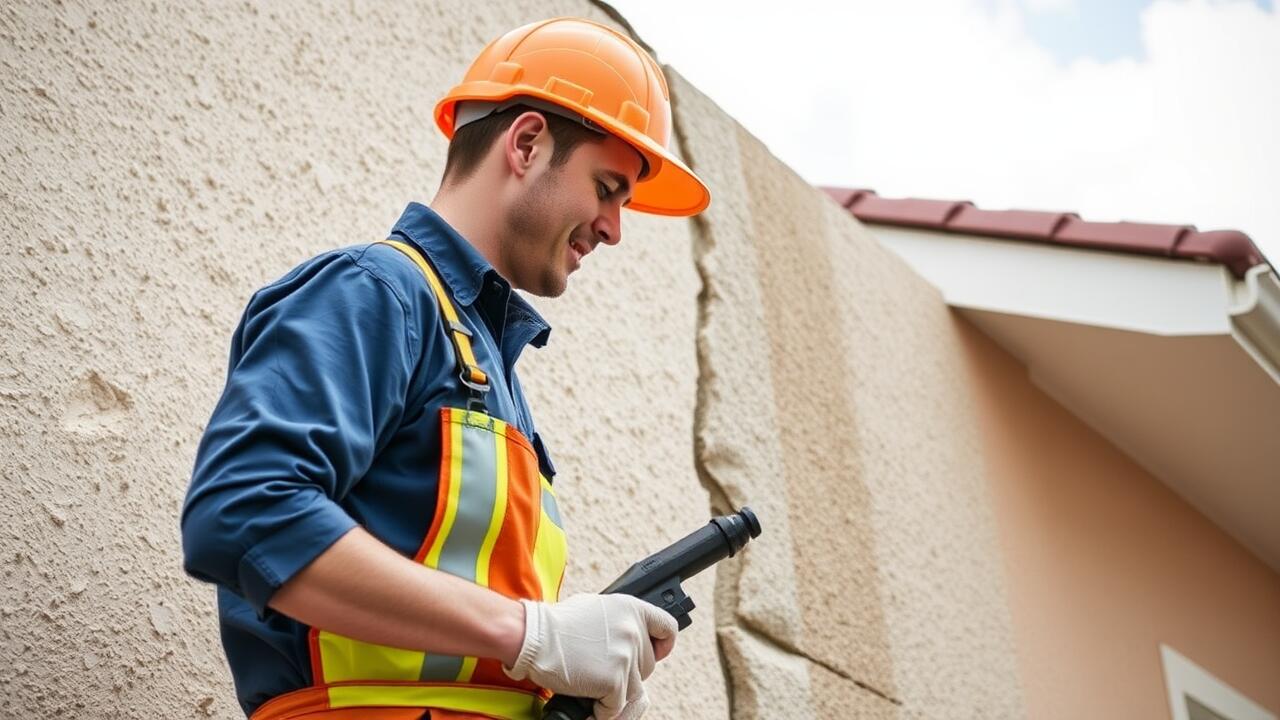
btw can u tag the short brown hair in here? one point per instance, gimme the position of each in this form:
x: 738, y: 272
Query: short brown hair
x: 472, y: 141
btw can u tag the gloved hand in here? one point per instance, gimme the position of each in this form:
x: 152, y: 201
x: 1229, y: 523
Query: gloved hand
x: 593, y: 646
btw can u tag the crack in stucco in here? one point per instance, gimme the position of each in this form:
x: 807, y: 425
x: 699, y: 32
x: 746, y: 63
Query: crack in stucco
x: 726, y: 596
x: 725, y: 605
x: 727, y: 600
x: 763, y: 636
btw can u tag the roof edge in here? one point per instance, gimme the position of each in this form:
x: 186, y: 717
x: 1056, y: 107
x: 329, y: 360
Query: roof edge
x: 1230, y: 248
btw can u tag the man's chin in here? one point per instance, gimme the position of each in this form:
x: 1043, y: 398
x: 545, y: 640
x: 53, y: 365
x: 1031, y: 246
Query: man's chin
x: 556, y: 291
x: 550, y: 287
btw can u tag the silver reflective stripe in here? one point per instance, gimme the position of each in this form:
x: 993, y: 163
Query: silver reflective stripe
x: 440, y: 668
x: 476, y: 498
x: 550, y: 508
x: 477, y: 495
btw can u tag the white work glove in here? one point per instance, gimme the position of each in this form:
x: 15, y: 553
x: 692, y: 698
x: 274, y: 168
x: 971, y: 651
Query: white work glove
x: 593, y: 646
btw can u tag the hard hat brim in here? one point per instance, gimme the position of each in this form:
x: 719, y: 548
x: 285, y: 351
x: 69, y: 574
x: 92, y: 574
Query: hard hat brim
x: 670, y: 188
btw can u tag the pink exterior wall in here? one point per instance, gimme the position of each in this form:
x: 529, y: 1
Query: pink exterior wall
x: 1104, y: 563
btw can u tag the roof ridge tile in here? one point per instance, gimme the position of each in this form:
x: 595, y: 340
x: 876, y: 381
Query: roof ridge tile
x: 1231, y: 248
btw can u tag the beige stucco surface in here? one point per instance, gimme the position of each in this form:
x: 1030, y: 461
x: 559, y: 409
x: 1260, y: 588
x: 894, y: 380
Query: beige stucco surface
x: 832, y: 388
x: 162, y: 162
x: 1105, y: 563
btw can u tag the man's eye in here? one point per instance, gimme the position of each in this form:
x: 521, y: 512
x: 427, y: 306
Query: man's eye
x: 602, y: 190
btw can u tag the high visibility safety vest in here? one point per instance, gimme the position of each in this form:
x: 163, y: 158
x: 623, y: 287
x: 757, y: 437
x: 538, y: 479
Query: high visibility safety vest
x: 497, y: 525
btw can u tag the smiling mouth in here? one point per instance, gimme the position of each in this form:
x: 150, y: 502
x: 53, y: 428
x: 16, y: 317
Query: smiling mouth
x: 579, y: 248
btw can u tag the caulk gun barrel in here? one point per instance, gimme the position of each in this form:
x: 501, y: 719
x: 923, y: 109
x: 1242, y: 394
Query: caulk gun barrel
x: 695, y: 552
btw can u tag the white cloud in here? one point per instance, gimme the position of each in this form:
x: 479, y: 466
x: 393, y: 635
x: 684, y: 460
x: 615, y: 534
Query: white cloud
x: 947, y: 99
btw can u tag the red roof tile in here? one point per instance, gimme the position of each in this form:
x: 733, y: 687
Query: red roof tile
x: 917, y: 213
x: 1228, y: 247
x: 1143, y: 238
x: 1023, y: 224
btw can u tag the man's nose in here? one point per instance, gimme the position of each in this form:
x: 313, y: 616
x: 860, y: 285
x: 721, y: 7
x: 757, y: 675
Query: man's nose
x: 608, y: 226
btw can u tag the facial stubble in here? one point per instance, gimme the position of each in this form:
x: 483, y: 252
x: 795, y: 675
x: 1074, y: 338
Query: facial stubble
x: 531, y: 224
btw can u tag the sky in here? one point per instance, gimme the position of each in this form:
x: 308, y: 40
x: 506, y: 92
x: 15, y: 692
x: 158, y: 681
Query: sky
x: 1161, y: 111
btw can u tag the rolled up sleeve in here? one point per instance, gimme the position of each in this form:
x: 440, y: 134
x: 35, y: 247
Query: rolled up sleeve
x: 320, y: 366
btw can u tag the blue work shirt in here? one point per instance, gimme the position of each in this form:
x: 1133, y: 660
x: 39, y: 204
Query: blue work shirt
x: 330, y: 418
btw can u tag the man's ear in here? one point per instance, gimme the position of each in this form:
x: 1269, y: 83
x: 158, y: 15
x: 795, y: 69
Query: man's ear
x: 525, y: 142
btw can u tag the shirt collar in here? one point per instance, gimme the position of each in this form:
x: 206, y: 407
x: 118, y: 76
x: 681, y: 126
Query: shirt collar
x: 461, y: 266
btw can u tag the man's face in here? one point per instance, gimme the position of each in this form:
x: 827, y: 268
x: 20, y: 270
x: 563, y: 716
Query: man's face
x: 566, y: 211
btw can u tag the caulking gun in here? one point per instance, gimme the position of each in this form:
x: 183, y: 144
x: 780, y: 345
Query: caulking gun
x: 657, y: 578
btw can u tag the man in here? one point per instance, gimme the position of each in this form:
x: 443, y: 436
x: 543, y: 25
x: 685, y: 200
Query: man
x: 371, y: 495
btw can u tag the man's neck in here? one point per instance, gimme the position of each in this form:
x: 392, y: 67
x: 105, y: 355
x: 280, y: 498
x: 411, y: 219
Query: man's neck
x: 480, y: 226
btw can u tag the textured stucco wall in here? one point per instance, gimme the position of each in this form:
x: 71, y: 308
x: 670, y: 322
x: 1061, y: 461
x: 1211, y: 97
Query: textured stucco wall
x: 834, y: 396
x: 163, y: 161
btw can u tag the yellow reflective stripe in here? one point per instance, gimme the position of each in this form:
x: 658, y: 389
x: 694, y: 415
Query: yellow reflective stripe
x: 455, y: 487
x: 468, y: 668
x: 550, y: 547
x: 460, y: 340
x: 475, y: 418
x: 505, y: 704
x: 345, y: 659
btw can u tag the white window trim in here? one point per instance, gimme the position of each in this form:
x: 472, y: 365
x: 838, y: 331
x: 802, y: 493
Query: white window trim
x: 1183, y: 677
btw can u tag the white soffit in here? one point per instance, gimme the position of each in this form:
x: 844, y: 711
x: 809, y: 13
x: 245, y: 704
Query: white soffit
x: 1174, y: 361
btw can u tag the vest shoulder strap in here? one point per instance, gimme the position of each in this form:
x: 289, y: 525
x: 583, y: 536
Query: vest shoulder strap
x: 468, y: 368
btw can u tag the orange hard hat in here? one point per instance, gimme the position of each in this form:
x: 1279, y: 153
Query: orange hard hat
x: 596, y: 73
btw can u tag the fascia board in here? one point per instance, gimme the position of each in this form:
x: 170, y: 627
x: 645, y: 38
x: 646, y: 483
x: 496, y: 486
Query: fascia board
x: 1106, y: 289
